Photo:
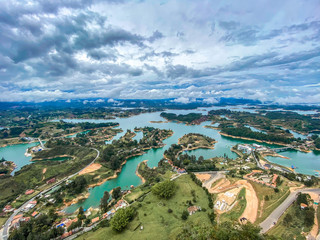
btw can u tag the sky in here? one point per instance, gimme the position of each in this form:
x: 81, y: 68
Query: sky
x: 267, y: 50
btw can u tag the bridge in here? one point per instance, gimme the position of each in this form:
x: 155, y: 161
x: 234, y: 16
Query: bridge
x: 282, y: 149
x: 41, y: 143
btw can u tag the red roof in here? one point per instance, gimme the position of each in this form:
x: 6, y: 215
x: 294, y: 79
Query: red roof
x: 34, y: 214
x: 303, y: 205
x: 94, y: 220
x: 30, y: 191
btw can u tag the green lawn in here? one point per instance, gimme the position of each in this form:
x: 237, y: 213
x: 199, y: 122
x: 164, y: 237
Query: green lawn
x: 2, y: 220
x: 154, y: 217
x: 275, y: 199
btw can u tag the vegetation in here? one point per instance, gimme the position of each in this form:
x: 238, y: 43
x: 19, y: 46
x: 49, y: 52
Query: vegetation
x: 6, y: 167
x: 226, y: 231
x: 295, y: 219
x: 195, y: 140
x: 153, y: 175
x: 154, y: 216
x: 164, y: 189
x: 104, y: 201
x: 188, y: 118
x: 121, y: 219
x: 248, y: 133
x: 37, y: 228
x: 31, y: 176
x: 190, y: 163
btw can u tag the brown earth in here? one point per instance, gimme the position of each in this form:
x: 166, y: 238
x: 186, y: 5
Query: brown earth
x: 91, y: 168
x: 203, y: 176
x: 250, y: 213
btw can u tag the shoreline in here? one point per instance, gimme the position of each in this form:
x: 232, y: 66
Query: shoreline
x: 49, y: 158
x: 158, y: 121
x: 274, y: 155
x: 252, y: 139
x: 137, y: 171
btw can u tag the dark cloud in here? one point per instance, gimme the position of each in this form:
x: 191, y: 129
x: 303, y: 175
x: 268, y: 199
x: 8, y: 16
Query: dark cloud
x: 155, y: 36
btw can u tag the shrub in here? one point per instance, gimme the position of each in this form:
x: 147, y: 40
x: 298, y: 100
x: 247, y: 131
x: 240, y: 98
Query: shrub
x: 185, y: 215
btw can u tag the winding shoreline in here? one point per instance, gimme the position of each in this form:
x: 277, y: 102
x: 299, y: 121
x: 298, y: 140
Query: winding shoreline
x: 137, y: 171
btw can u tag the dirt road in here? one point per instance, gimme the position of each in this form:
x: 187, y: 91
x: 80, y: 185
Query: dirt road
x: 250, y: 213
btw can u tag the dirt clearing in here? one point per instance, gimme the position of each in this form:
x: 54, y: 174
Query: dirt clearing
x: 250, y: 213
x: 91, y: 168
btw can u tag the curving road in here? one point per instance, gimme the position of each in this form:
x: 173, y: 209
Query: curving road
x: 5, y: 232
x: 273, y: 218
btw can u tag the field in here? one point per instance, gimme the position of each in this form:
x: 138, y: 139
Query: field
x: 153, y: 215
x: 266, y: 207
x: 2, y: 221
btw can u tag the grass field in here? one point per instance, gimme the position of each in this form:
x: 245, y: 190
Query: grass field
x: 2, y: 221
x: 153, y: 215
x: 237, y: 210
x: 275, y: 199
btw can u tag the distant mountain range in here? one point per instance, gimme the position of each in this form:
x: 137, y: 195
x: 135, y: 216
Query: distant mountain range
x: 170, y: 103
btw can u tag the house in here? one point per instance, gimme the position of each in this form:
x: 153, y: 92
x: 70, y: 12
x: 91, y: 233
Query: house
x: 193, y: 209
x: 120, y: 204
x: 68, y: 222
x: 52, y: 180
x: 67, y: 234
x: 109, y: 214
x: 16, y: 221
x: 28, y: 192
x: 303, y: 206
x: 8, y: 208
x: 30, y: 205
x: 94, y: 220
x: 34, y: 214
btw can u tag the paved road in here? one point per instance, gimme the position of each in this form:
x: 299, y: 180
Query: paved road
x: 273, y: 218
x: 5, y: 232
x: 257, y: 160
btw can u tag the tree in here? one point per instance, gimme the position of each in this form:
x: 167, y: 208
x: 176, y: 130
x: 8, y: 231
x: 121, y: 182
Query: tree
x: 116, y: 193
x: 302, y: 198
x: 309, y: 217
x: 185, y: 215
x: 81, y: 215
x: 104, y: 201
x: 164, y: 189
x: 121, y: 219
x: 287, y: 219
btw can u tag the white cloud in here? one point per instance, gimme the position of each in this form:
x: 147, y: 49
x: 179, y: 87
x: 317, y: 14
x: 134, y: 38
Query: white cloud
x: 144, y: 49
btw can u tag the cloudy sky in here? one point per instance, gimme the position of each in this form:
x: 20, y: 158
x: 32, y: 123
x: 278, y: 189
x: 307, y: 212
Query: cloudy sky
x: 185, y: 49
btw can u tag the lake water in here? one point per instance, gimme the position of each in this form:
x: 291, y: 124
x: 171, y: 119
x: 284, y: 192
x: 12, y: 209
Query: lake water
x: 127, y: 176
x: 305, y: 162
x: 15, y: 153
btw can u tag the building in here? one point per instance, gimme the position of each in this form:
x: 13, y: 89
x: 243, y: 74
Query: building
x: 244, y: 148
x: 303, y: 206
x: 30, y: 205
x: 28, y: 192
x: 94, y: 220
x: 52, y: 180
x: 193, y: 209
x: 120, y: 204
x: 109, y: 214
x: 18, y: 219
x: 34, y: 214
x: 8, y: 208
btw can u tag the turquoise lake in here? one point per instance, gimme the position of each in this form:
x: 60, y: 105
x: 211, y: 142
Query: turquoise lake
x: 305, y: 162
